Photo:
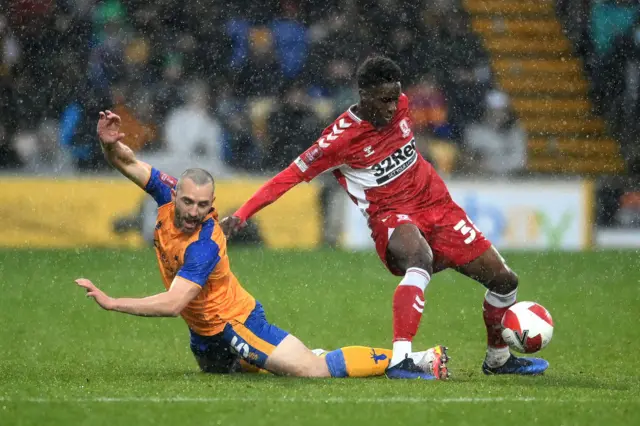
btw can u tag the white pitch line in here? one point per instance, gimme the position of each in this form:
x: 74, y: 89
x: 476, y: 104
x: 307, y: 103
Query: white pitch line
x: 304, y: 400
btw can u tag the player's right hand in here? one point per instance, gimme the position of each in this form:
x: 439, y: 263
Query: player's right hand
x: 231, y: 225
x: 109, y: 128
x: 96, y: 294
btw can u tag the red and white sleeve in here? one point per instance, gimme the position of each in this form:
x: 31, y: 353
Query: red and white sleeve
x: 320, y: 157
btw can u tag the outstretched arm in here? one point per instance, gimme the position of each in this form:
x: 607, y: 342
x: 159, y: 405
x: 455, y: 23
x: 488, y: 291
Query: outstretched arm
x: 275, y: 188
x: 117, y: 153
x: 166, y: 304
x: 200, y: 259
x: 307, y: 166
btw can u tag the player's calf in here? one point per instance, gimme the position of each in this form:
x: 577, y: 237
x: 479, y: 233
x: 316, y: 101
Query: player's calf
x: 501, y: 282
x: 292, y: 358
x: 408, y: 253
x: 501, y: 294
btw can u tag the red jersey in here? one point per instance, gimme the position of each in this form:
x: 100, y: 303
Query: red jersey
x: 380, y: 169
x: 389, y: 180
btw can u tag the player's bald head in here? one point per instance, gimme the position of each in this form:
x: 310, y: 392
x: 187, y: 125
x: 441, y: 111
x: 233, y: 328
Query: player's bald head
x: 200, y: 177
x: 193, y: 196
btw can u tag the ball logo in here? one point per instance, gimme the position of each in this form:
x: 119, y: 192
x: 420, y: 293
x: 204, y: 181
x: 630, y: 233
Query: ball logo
x: 522, y: 338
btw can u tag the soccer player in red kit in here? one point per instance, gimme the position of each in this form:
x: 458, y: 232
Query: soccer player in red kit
x: 417, y: 228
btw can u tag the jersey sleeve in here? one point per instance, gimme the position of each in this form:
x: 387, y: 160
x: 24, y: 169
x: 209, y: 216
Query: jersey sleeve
x: 269, y: 192
x: 326, y: 153
x: 200, y: 259
x: 160, y: 185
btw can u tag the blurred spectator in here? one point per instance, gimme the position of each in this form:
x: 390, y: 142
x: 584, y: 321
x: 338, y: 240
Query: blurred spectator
x: 240, y: 151
x: 107, y: 59
x: 340, y: 88
x: 77, y: 127
x: 136, y: 113
x: 40, y: 151
x: 336, y: 37
x: 497, y: 144
x: 623, y: 97
x: 167, y: 90
x: 292, y: 128
x: 290, y: 40
x: 10, y: 48
x: 428, y: 107
x: 260, y: 75
x: 190, y: 129
x: 575, y: 18
x: 8, y: 157
x: 463, y: 70
x: 610, y: 20
x: 192, y: 136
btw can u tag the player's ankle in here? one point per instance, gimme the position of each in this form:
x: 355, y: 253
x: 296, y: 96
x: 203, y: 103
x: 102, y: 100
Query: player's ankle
x: 497, y: 356
x: 401, y: 349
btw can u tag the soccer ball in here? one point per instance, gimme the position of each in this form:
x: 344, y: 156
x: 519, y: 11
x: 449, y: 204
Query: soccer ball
x: 527, y: 327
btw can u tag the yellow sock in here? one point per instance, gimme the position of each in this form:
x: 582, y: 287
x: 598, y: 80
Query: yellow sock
x: 358, y: 361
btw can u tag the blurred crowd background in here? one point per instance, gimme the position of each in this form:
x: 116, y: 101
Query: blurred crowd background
x: 243, y: 86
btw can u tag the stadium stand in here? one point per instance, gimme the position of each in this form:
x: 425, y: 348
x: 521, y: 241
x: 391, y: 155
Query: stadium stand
x: 534, y: 62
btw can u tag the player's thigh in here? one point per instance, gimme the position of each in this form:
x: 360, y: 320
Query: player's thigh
x: 292, y: 358
x: 213, y: 354
x: 454, y: 239
x: 268, y: 346
x: 401, y: 245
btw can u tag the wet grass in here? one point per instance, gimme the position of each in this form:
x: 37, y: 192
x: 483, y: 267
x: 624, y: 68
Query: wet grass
x: 64, y: 361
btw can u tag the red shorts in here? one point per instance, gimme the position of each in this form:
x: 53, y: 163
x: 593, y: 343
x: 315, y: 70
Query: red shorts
x: 452, y: 236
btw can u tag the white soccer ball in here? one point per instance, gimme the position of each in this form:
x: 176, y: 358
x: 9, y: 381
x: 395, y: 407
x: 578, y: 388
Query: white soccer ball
x: 527, y: 327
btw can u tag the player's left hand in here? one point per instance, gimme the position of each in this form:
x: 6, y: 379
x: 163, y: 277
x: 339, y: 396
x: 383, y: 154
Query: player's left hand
x: 231, y: 225
x: 98, y: 295
x: 108, y: 128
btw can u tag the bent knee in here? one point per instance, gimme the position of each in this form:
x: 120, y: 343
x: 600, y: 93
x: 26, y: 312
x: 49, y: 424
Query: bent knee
x: 505, y: 281
x: 311, y: 367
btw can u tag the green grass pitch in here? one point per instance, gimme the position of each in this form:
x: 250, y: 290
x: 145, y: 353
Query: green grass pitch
x: 64, y: 361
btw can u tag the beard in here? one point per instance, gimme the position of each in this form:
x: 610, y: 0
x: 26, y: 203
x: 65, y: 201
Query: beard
x: 186, y: 223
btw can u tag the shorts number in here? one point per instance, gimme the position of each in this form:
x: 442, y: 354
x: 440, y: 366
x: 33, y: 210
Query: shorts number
x: 467, y: 229
x: 240, y: 348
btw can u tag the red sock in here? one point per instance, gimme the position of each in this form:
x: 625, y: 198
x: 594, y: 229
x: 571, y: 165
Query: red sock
x: 493, y: 309
x: 408, y: 304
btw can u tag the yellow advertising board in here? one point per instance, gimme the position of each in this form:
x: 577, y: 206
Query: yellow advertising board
x: 74, y: 213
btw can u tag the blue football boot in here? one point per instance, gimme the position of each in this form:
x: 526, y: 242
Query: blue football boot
x: 428, y: 365
x: 518, y: 365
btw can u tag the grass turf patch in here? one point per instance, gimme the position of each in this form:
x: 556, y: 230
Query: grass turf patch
x: 65, y: 361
